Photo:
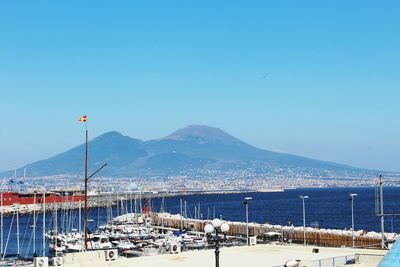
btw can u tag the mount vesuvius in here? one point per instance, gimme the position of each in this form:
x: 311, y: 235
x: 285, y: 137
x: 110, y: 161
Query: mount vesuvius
x: 194, y: 147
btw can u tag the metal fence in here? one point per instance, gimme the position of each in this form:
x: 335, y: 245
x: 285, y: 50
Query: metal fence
x: 331, y: 262
x: 335, y: 261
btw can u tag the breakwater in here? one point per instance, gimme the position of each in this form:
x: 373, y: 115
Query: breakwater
x: 122, y: 201
x: 279, y: 233
x: 29, y: 208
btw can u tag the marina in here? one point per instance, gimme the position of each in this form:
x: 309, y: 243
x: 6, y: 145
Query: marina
x: 281, y: 208
x: 268, y: 212
x: 126, y: 237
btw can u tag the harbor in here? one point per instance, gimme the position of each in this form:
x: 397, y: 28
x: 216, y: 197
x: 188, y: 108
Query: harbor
x: 172, y: 240
x: 191, y: 212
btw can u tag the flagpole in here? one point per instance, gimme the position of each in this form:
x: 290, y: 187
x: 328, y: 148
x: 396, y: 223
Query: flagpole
x: 86, y: 185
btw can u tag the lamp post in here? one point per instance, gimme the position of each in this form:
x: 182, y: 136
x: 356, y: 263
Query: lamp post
x: 246, y: 203
x: 352, y: 195
x: 219, y: 227
x: 304, y: 219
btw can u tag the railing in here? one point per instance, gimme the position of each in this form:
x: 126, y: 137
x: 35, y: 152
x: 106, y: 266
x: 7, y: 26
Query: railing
x: 335, y: 261
x: 330, y: 262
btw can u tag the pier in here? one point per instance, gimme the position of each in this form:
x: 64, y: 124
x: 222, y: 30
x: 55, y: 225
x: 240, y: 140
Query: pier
x: 283, y: 234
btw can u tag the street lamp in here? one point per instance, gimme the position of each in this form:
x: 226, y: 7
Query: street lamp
x: 352, y: 195
x: 246, y: 203
x: 304, y: 218
x: 219, y: 227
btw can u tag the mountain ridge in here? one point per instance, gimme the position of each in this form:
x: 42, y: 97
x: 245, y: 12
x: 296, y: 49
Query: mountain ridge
x: 195, y: 147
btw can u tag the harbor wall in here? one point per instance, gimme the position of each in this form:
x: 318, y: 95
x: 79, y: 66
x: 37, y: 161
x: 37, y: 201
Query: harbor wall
x: 290, y: 234
x: 103, y: 201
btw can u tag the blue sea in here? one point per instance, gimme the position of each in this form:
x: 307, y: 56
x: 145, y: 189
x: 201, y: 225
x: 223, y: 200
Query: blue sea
x: 325, y: 208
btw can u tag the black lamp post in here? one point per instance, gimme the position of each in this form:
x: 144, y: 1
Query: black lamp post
x: 219, y: 227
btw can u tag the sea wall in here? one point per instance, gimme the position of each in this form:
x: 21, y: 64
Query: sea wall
x: 291, y: 234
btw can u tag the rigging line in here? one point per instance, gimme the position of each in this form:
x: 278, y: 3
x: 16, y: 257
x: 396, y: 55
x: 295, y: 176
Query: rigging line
x: 31, y: 238
x: 71, y: 217
x: 47, y: 226
x: 8, y: 237
x: 26, y: 230
x: 190, y: 214
x: 97, y: 171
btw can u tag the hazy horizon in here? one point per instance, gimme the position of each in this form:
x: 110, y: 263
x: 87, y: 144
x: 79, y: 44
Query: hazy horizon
x: 315, y: 79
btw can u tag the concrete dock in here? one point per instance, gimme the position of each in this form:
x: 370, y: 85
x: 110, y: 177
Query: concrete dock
x: 260, y: 255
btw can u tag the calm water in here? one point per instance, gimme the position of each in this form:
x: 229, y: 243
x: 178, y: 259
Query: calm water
x: 326, y: 207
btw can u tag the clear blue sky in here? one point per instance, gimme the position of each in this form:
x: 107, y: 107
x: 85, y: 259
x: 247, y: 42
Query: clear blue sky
x: 315, y: 78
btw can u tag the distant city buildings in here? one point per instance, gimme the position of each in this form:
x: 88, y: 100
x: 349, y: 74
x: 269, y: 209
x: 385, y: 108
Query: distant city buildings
x: 215, y: 180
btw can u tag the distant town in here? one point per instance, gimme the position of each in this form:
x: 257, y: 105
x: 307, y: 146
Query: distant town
x: 210, y: 180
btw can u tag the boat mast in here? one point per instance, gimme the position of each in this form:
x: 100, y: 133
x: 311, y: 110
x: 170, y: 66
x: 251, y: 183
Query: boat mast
x: 86, y: 186
x: 98, y: 208
x: 162, y: 216
x: 126, y: 203
x: 135, y: 205
x: 56, y: 220
x: 117, y: 204
x: 185, y: 212
x: 34, y: 224
x: 80, y: 223
x: 44, y: 222
x: 1, y: 222
x: 181, y: 214
x: 66, y: 217
x: 198, y: 212
x: 140, y: 202
x: 130, y: 196
x: 18, y: 251
x: 54, y: 232
x: 79, y: 217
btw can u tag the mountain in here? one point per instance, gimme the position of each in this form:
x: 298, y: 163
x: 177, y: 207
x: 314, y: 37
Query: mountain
x: 112, y: 148
x: 195, y: 147
x: 202, y: 134
x: 198, y: 141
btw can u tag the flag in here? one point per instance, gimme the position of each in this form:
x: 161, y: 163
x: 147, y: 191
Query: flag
x: 82, y: 119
